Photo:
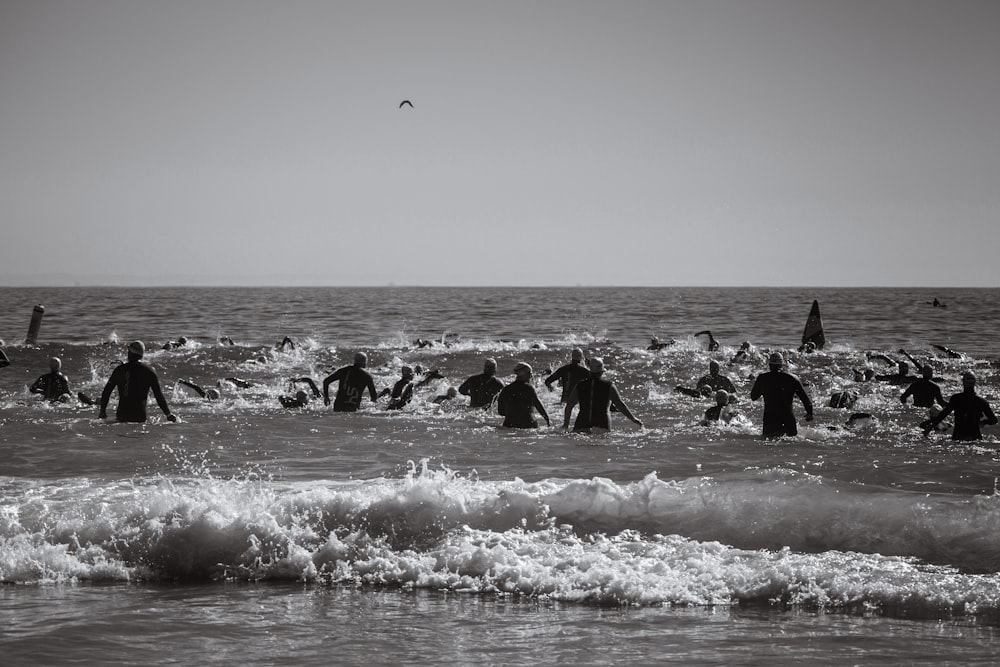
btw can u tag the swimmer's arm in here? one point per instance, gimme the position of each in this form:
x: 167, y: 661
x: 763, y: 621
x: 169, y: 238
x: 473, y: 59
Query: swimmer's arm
x: 198, y: 390
x: 160, y: 399
x: 106, y: 394
x: 38, y: 386
x: 800, y: 391
x: 312, y: 385
x: 617, y: 401
x: 332, y: 377
x: 541, y: 409
x: 371, y: 388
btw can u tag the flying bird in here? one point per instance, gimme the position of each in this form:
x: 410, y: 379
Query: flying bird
x: 405, y: 102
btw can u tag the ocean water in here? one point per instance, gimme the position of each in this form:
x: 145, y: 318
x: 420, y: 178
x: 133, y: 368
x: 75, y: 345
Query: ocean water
x: 248, y: 533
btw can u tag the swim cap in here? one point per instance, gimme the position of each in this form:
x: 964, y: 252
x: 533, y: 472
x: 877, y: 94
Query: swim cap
x: 722, y: 397
x: 968, y: 378
x: 521, y: 366
x: 713, y: 365
x: 406, y: 370
x: 577, y: 353
x: 776, y: 359
x: 596, y: 365
x: 136, y: 347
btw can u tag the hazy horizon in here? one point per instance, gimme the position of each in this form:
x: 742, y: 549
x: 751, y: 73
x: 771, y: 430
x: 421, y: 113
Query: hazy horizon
x: 750, y: 142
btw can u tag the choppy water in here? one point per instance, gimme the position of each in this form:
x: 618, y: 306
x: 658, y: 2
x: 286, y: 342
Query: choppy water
x: 250, y: 533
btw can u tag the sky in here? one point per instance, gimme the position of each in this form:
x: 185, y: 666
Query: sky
x: 549, y: 143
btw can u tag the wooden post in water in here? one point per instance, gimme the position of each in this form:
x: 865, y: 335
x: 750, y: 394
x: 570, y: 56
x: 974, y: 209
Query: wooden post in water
x: 36, y: 323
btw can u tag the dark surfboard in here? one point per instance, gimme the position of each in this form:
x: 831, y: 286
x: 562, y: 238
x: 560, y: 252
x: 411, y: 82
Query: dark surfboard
x: 814, y: 328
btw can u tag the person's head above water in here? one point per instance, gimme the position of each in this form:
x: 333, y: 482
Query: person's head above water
x: 927, y: 371
x: 136, y: 349
x: 596, y: 365
x: 360, y: 359
x: 522, y: 370
x: 490, y: 366
x: 775, y: 361
x: 722, y: 397
x: 406, y: 372
x: 968, y: 379
x: 904, y: 368
x: 577, y: 354
x: 713, y: 367
x: 55, y: 363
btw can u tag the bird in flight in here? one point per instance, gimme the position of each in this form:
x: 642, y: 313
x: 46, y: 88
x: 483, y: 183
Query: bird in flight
x: 405, y: 102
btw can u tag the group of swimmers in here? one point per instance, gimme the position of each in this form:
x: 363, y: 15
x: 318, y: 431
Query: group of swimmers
x: 583, y: 389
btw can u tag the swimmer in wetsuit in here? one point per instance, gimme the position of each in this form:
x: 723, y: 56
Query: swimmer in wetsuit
x: 569, y: 375
x: 778, y: 389
x: 516, y: 401
x: 133, y: 380
x: 595, y: 396
x: 54, y: 385
x: 481, y: 389
x: 353, y: 380
x: 971, y: 412
x: 925, y: 391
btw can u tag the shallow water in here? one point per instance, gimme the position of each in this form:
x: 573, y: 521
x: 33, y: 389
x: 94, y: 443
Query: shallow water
x: 251, y: 533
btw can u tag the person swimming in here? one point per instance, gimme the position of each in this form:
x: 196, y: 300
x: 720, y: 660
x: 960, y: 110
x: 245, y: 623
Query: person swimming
x: 54, y: 385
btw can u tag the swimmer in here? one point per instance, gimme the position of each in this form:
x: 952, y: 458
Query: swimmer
x: 952, y: 354
x: 352, y: 382
x: 517, y: 400
x: 226, y: 340
x: 299, y: 400
x: 708, y: 384
x: 401, y: 392
x: 713, y: 344
x: 4, y: 359
x: 447, y: 396
x: 242, y: 384
x: 595, y: 396
x: 429, y: 377
x: 719, y: 411
x: 655, y: 344
x: 209, y: 394
x: 843, y: 399
x: 174, y: 344
x: 568, y: 375
x: 971, y: 412
x: 778, y: 389
x: 925, y: 391
x: 482, y: 388
x: 133, y: 380
x: 285, y: 342
x: 901, y: 376
x: 54, y: 385
x: 745, y: 353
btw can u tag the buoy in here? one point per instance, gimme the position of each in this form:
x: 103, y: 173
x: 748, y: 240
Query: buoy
x: 36, y: 324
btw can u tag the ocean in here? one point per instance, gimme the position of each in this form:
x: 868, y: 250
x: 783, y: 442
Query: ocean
x: 254, y: 534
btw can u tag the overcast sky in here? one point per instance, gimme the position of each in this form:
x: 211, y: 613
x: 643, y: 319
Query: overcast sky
x: 740, y: 142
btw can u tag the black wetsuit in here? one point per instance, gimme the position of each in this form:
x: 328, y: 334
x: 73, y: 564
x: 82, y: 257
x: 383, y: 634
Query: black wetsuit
x: 397, y: 399
x: 778, y: 389
x: 515, y: 403
x: 713, y: 413
x: 969, y: 410
x: 924, y: 392
x: 51, y: 385
x: 568, y: 376
x: 594, y: 398
x: 480, y: 389
x: 133, y: 380
x: 353, y: 382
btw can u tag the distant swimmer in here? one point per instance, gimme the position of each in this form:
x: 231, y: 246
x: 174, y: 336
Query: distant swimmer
x: 447, y: 396
x: 133, y: 380
x: 901, y: 376
x: 517, y: 400
x: 353, y: 381
x: 709, y: 384
x: 746, y: 353
x: 713, y: 344
x: 720, y: 411
x: 482, y: 388
x: 971, y: 412
x: 843, y: 399
x: 778, y: 389
x: 866, y: 374
x: 300, y: 399
x: 925, y: 391
x: 429, y: 377
x: 209, y: 394
x: 226, y: 340
x: 283, y: 343
x: 952, y: 354
x: 54, y: 385
x: 655, y: 344
x: 595, y: 396
x: 567, y: 376
x: 937, y: 304
x: 241, y: 383
x: 4, y: 359
x: 406, y: 103
x: 174, y: 344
